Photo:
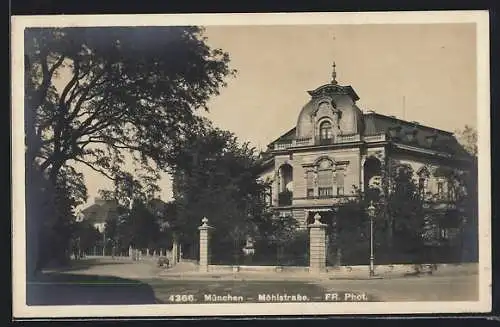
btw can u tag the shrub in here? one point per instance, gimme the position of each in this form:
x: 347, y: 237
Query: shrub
x: 163, y: 262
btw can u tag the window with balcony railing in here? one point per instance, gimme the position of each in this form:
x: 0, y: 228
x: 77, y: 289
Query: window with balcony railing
x: 325, y: 192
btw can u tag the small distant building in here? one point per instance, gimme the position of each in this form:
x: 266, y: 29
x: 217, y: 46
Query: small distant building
x: 100, y: 212
x: 103, y: 210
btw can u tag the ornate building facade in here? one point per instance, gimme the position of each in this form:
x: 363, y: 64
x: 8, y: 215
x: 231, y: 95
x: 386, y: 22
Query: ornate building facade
x: 336, y: 150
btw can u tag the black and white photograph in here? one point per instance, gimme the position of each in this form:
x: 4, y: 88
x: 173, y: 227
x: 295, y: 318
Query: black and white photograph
x: 251, y: 164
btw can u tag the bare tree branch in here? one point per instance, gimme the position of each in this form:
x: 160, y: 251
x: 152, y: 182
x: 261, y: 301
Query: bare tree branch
x: 94, y: 168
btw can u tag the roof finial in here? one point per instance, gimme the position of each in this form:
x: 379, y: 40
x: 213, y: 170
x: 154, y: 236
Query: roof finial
x: 334, y: 74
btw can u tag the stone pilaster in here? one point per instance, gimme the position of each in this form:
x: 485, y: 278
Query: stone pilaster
x: 205, y: 230
x: 317, y: 245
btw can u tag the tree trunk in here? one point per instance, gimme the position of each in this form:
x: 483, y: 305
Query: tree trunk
x: 279, y: 254
x: 338, y: 257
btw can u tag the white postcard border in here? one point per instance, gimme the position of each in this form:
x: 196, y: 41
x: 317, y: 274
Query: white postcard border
x: 21, y: 310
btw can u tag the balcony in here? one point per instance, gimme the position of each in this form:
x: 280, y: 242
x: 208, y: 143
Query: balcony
x: 283, y: 145
x: 285, y: 198
x: 325, y: 192
x: 339, y: 139
x: 293, y: 143
x: 326, y: 199
x: 375, y: 138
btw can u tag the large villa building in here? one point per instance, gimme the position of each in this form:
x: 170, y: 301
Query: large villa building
x: 337, y: 150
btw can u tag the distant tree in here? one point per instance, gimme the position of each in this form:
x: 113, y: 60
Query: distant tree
x: 406, y: 211
x: 278, y: 230
x: 218, y: 180
x: 468, y: 139
x: 86, y: 235
x: 140, y: 228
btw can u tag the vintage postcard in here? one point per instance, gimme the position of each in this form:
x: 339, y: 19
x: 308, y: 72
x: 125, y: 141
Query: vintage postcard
x: 251, y: 164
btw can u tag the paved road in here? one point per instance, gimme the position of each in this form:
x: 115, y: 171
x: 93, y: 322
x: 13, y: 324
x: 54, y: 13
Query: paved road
x: 106, y: 281
x: 425, y: 288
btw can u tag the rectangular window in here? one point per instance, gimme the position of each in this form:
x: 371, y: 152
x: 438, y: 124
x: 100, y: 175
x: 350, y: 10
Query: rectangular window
x: 310, y: 192
x: 452, y: 194
x: 440, y: 189
x: 340, y: 182
x: 309, y: 184
x: 325, y: 178
x: 421, y: 186
x: 310, y: 179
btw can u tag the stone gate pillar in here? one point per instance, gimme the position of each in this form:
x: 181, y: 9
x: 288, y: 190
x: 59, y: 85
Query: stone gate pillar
x: 317, y: 245
x: 205, y: 230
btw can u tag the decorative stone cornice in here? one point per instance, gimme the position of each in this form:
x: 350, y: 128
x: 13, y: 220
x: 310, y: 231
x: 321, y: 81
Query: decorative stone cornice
x: 333, y: 89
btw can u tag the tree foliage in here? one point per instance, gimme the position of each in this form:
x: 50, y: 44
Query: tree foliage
x: 94, y: 94
x: 218, y: 180
x: 467, y: 137
x: 103, y: 97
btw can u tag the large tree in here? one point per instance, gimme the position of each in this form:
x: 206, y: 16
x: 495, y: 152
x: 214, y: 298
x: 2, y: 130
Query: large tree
x: 218, y: 180
x: 103, y: 97
x: 93, y: 94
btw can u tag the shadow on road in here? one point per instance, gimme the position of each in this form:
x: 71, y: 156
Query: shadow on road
x: 86, y: 263
x: 74, y: 289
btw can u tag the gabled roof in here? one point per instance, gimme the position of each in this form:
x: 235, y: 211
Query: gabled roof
x: 100, y: 213
x: 288, y: 136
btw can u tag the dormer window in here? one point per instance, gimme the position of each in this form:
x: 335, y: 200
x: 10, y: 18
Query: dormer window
x: 431, y: 139
x: 411, y: 135
x: 325, y: 131
x: 394, y: 131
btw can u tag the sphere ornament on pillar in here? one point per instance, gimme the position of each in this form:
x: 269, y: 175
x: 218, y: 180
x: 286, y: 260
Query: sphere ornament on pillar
x: 317, y: 219
x: 204, y: 224
x: 317, y: 222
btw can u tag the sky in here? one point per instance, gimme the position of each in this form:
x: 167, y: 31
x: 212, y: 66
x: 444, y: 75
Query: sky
x: 424, y: 73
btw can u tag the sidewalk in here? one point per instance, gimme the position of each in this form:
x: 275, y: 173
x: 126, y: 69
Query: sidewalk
x: 190, y: 272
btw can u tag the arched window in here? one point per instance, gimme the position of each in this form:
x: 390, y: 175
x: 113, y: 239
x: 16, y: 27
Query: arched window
x: 325, y: 131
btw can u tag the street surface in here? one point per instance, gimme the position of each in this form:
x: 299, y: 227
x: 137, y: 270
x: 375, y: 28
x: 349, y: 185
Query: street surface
x: 120, y: 281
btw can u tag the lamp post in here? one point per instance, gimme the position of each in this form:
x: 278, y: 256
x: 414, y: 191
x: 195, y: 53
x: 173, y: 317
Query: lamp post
x: 371, y: 213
